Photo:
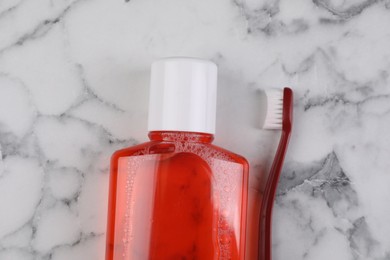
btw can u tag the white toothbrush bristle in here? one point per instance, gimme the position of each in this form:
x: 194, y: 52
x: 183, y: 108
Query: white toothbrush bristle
x: 274, y: 116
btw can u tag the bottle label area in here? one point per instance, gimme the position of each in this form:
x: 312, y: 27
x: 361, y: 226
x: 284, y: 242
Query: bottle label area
x: 178, y: 206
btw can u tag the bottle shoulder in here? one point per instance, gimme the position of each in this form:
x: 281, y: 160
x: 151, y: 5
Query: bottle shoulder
x: 135, y: 150
x: 205, y: 150
x: 231, y: 155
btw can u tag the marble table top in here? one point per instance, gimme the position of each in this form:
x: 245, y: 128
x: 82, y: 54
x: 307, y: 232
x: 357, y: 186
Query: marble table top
x: 74, y: 78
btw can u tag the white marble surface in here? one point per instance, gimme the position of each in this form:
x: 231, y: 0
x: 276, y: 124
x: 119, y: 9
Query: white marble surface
x: 73, y: 88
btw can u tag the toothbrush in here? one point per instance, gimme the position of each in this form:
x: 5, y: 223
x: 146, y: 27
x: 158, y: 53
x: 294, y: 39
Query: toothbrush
x: 279, y: 117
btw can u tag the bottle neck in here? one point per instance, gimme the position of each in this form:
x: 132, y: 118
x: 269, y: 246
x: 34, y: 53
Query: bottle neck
x: 179, y: 136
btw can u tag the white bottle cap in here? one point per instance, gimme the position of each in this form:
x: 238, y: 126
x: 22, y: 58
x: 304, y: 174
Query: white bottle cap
x: 183, y: 95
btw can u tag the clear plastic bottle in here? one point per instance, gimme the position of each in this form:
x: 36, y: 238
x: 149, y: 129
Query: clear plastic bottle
x: 177, y: 196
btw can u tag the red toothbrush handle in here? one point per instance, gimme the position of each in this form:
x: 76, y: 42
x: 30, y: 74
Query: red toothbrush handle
x: 265, y: 236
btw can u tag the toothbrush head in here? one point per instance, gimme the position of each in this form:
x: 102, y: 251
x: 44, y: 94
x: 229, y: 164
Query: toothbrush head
x: 279, y: 109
